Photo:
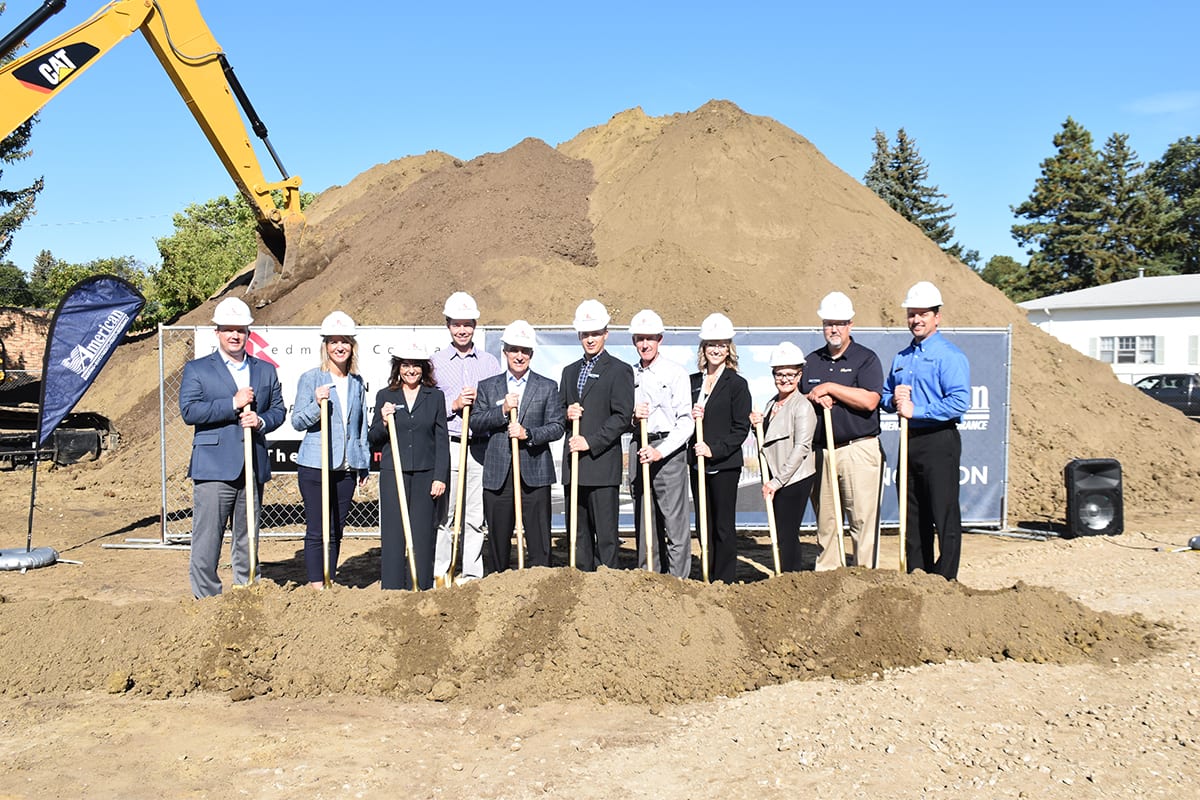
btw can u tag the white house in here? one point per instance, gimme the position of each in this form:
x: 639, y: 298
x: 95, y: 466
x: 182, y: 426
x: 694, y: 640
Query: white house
x: 1141, y: 326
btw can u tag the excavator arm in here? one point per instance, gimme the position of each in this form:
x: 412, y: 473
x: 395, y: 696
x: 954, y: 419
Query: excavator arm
x: 179, y: 37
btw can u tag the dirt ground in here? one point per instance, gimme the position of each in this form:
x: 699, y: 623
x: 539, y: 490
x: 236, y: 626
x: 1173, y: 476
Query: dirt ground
x: 1055, y: 668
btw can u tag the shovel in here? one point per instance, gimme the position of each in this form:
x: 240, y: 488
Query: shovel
x: 831, y: 461
x: 520, y: 520
x: 404, y: 520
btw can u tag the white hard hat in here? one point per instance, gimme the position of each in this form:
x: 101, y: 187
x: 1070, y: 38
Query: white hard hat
x: 922, y: 295
x: 519, y: 333
x: 338, y: 323
x: 591, y: 316
x: 646, y: 322
x: 715, y: 328
x: 835, y: 306
x: 232, y: 311
x: 787, y: 354
x: 461, y: 305
x: 411, y: 349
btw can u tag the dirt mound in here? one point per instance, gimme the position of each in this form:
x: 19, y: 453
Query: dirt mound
x: 713, y: 210
x: 548, y: 634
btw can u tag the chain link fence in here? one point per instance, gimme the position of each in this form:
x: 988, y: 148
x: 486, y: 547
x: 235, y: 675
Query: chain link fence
x: 282, y: 506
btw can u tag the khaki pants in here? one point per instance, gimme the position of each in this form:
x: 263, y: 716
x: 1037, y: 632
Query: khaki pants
x: 860, y: 466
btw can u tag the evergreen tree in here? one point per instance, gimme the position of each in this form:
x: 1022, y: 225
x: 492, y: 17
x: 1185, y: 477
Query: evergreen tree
x: 43, y: 266
x: 1177, y: 175
x: 899, y: 175
x: 1009, y: 276
x: 1063, y: 233
x: 16, y: 205
x: 1133, y: 218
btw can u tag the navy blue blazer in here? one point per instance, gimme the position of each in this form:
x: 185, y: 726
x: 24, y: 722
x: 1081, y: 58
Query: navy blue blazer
x: 206, y: 401
x: 540, y: 412
x: 421, y: 432
x: 607, y: 402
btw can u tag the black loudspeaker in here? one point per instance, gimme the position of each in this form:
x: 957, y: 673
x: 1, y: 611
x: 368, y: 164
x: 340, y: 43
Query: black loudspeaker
x: 1095, y: 504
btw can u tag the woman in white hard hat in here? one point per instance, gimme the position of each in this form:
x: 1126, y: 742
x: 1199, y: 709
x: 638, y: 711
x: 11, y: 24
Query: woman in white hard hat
x: 789, y: 423
x: 721, y: 399
x: 338, y: 382
x: 417, y: 408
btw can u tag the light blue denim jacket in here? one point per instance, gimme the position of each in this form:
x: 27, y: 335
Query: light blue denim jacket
x: 347, y: 443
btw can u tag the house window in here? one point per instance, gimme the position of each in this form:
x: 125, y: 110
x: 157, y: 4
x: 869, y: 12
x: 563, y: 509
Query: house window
x: 1127, y: 349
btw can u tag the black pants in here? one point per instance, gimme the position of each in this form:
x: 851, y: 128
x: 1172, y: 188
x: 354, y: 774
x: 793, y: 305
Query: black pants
x: 597, y: 540
x: 789, y: 503
x: 933, y: 463
x: 721, y: 493
x: 393, y: 561
x: 341, y: 494
x: 500, y: 512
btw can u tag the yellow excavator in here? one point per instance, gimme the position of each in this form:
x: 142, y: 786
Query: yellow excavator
x: 185, y: 47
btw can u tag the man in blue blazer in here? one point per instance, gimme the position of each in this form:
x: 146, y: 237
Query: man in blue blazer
x: 598, y: 391
x: 539, y: 423
x: 226, y: 395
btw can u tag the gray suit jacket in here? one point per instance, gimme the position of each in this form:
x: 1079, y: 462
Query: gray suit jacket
x: 542, y: 415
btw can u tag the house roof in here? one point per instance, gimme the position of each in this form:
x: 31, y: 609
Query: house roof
x: 1156, y: 291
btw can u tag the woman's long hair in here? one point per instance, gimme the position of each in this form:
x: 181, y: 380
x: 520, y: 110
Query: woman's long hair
x: 327, y: 362
x: 731, y: 358
x: 426, y: 372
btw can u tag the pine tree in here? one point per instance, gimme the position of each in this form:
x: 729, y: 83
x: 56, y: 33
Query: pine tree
x: 1177, y: 175
x: 1064, y: 212
x: 899, y: 176
x: 1133, y: 218
x: 39, y: 278
x: 16, y: 205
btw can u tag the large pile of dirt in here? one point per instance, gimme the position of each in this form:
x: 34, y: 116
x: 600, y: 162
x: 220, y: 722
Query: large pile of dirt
x: 549, y: 634
x: 713, y: 210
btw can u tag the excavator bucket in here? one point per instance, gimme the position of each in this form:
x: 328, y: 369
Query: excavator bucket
x: 278, y: 248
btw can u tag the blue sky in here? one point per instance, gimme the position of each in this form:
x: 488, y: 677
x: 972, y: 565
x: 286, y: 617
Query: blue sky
x: 982, y: 88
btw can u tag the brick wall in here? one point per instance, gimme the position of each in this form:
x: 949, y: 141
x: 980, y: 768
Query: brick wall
x: 23, y: 337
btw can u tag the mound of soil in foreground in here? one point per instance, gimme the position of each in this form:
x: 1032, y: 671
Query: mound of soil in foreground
x: 528, y: 637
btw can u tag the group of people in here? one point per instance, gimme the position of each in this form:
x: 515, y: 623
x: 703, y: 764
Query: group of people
x: 457, y: 417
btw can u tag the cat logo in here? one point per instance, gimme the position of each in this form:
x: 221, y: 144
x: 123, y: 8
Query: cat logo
x: 48, y: 73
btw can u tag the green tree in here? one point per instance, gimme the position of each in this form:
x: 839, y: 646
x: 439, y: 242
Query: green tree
x: 212, y: 243
x: 1134, y: 218
x: 16, y: 205
x: 63, y: 275
x: 900, y: 175
x: 14, y: 289
x: 1009, y: 276
x: 1064, y: 212
x: 1177, y: 175
x: 43, y: 265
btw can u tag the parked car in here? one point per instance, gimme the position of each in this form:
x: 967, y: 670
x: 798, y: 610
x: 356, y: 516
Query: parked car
x: 1179, y: 390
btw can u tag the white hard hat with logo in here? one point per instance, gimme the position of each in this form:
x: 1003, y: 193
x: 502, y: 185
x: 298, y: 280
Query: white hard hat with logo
x: 411, y: 349
x: 461, y: 305
x: 519, y: 333
x: 922, y: 295
x: 715, y: 328
x: 646, y: 323
x: 338, y: 323
x: 232, y: 311
x: 591, y: 316
x: 786, y: 354
x: 836, y: 306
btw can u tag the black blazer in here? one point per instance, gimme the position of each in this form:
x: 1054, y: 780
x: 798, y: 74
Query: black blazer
x: 607, y: 402
x: 726, y: 419
x: 421, y: 432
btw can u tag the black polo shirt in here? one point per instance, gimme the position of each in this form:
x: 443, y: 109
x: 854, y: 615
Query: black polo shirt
x: 859, y: 367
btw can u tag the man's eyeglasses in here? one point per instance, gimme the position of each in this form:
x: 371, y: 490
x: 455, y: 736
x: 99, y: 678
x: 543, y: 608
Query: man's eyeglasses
x: 835, y: 324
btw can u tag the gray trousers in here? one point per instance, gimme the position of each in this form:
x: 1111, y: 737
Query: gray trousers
x: 214, y: 505
x: 672, y: 518
x: 470, y: 543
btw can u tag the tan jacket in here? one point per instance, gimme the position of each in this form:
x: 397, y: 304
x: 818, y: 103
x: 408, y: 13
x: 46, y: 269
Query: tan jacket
x: 787, y: 441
